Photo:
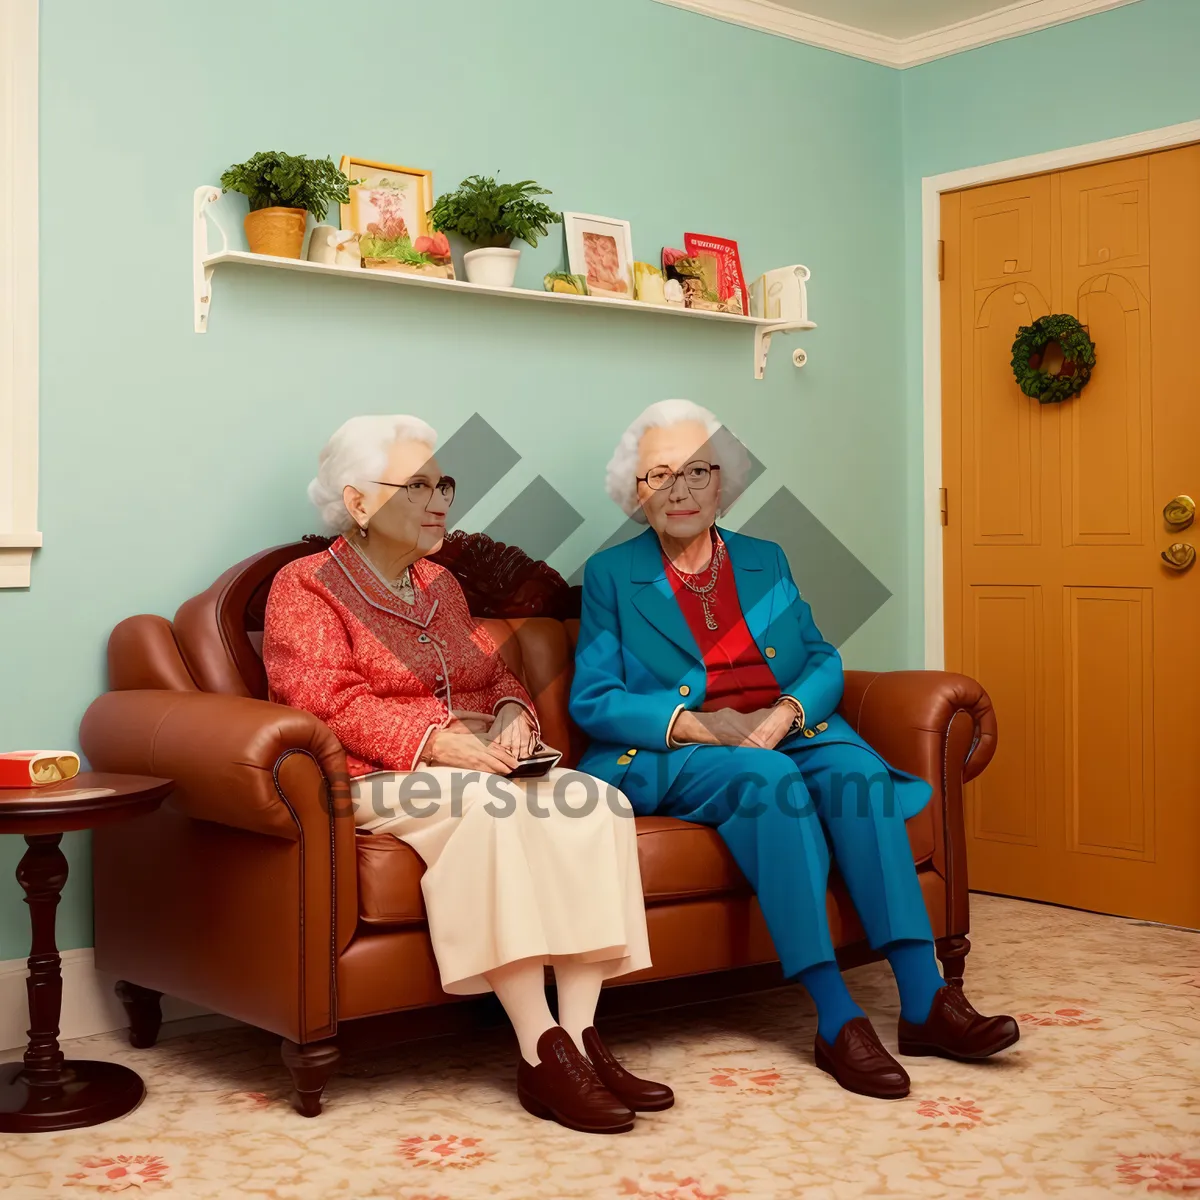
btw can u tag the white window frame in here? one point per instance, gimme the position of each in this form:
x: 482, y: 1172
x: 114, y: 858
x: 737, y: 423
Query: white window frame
x: 18, y: 290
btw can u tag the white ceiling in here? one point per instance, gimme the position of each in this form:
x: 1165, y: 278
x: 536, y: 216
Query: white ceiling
x: 898, y: 33
x: 896, y: 18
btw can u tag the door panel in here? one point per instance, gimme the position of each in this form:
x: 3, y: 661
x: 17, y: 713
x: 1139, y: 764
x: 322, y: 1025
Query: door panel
x: 1109, y: 635
x: 1114, y: 218
x: 1057, y: 599
x: 1007, y: 456
x: 1107, y: 438
x: 1004, y: 647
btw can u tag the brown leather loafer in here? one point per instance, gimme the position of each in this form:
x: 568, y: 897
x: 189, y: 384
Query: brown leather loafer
x: 858, y: 1061
x: 641, y: 1095
x: 954, y: 1029
x: 564, y: 1087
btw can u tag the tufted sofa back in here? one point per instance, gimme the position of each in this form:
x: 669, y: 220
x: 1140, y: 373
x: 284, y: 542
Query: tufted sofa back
x: 214, y: 644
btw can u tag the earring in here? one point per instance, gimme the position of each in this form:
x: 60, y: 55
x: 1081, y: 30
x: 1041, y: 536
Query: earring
x: 362, y: 531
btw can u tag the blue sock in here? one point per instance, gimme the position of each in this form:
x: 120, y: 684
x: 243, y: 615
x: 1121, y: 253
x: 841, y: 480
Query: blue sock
x: 835, y: 1005
x: 917, y: 977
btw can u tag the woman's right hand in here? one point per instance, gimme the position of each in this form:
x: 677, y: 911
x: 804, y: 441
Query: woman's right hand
x: 763, y: 729
x: 465, y: 721
x: 453, y: 748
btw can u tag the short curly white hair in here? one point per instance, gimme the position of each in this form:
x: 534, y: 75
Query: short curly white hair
x: 357, y: 454
x: 732, y: 457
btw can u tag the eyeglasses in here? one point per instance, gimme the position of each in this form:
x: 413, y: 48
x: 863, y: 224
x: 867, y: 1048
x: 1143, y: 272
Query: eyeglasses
x: 420, y: 491
x: 696, y: 475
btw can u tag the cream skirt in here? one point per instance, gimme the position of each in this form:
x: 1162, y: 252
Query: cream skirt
x: 515, y: 869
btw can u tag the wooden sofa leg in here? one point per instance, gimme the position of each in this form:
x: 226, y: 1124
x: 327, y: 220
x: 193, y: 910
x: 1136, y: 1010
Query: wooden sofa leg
x: 953, y: 953
x: 144, y: 1010
x: 311, y: 1067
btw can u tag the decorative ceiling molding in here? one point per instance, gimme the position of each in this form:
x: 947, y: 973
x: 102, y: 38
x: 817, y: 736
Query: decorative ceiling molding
x: 1026, y: 16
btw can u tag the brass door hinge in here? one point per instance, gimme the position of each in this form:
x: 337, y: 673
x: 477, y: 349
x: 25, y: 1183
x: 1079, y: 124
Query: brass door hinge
x: 941, y: 259
x: 944, y: 505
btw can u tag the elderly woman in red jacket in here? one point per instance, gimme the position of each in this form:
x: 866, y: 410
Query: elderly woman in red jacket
x: 376, y: 641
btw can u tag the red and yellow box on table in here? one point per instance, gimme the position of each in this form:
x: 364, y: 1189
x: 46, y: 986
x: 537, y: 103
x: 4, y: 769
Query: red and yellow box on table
x: 36, y: 768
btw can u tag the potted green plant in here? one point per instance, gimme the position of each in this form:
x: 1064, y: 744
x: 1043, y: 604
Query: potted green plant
x: 491, y: 216
x: 281, y: 189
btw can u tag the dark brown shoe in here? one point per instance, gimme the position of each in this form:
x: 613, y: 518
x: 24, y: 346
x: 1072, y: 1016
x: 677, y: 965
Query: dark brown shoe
x: 858, y: 1061
x: 954, y: 1029
x: 641, y: 1095
x: 564, y: 1087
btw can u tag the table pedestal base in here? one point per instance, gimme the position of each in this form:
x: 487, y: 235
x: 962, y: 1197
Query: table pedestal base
x: 93, y: 1092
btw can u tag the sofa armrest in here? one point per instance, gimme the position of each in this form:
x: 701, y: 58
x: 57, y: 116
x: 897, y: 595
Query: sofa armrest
x: 241, y: 891
x: 907, y: 716
x: 226, y: 754
x: 940, y: 726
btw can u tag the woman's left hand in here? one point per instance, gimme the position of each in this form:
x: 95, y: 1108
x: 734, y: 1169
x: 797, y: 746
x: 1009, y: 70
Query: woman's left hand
x: 763, y: 729
x: 514, y: 730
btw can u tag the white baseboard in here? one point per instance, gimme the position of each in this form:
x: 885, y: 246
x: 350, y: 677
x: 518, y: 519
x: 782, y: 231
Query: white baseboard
x: 89, y: 1004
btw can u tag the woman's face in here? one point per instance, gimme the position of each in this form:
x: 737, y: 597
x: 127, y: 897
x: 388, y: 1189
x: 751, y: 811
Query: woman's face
x: 678, y: 510
x: 409, y: 518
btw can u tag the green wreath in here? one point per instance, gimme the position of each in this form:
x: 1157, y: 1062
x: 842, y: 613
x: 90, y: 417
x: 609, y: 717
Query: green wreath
x: 1029, y: 354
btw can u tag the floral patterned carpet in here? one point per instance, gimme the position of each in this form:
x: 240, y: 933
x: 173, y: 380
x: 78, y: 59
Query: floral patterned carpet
x: 1100, y: 1098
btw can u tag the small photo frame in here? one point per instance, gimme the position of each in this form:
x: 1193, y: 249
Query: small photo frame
x: 387, y: 197
x: 601, y: 250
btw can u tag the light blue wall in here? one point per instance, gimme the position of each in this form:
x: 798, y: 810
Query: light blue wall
x: 1125, y: 71
x: 167, y: 456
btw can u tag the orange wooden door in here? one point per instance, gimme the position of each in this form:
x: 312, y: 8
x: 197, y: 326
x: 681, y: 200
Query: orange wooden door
x: 1056, y: 596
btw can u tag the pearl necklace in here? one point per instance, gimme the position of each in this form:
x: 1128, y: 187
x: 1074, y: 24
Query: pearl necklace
x: 402, y: 588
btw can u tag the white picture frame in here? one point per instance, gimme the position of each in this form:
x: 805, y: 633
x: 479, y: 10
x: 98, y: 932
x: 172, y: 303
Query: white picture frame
x: 592, y: 244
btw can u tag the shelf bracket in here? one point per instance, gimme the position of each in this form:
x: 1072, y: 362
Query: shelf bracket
x: 762, y: 344
x: 202, y: 273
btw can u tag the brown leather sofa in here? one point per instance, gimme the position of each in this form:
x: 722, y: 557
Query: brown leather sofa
x: 250, y: 893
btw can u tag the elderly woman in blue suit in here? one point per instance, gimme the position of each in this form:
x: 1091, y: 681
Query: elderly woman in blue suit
x: 710, y: 695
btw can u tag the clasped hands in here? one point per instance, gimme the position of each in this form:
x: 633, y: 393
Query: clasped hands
x: 478, y: 742
x: 764, y: 728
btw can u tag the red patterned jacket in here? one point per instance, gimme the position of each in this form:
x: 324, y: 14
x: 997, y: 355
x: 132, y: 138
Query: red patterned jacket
x: 383, y: 675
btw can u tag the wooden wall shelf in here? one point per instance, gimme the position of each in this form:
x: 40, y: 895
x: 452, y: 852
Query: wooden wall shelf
x: 205, y: 264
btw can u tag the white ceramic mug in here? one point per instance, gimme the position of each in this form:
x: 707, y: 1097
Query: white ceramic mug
x: 333, y: 247
x: 322, y: 244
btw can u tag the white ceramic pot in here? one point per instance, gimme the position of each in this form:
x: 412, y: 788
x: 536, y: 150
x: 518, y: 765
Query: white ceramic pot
x: 492, y: 266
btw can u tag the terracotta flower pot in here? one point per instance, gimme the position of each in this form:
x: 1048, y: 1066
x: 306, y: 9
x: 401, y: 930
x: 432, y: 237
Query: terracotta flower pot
x: 277, y: 231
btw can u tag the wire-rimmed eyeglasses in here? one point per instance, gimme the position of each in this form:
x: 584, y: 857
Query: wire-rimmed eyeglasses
x: 695, y: 474
x: 420, y: 491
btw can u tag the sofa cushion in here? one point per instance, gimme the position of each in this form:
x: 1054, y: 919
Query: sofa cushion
x: 684, y: 861
x: 389, y: 882
x: 680, y: 861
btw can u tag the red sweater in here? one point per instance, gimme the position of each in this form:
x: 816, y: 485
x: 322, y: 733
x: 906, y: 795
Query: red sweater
x: 737, y: 674
x: 383, y: 675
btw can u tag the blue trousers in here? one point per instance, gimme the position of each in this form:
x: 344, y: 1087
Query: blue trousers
x: 785, y: 813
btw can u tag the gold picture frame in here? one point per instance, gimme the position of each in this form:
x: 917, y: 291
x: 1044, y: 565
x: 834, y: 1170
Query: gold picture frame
x: 415, y: 199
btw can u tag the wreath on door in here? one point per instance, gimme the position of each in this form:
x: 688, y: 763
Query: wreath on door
x: 1052, y: 359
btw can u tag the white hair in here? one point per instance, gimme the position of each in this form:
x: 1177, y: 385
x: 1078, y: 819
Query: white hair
x: 732, y: 457
x: 357, y: 454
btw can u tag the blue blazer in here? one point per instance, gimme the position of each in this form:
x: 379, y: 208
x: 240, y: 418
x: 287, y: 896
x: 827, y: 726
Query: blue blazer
x: 637, y: 664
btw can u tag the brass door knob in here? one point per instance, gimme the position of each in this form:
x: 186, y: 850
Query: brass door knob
x: 1180, y: 512
x: 1179, y: 556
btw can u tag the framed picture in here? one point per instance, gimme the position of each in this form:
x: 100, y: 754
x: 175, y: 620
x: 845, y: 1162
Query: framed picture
x: 707, y: 274
x: 389, y: 201
x: 601, y: 250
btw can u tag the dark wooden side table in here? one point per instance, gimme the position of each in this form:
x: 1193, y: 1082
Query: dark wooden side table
x: 46, y: 1092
